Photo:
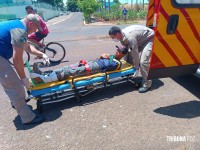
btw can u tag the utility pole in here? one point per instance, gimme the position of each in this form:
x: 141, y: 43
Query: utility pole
x: 131, y: 4
x: 109, y: 6
x: 102, y: 5
x: 143, y: 5
x: 136, y: 5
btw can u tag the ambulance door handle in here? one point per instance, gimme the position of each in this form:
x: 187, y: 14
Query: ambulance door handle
x: 172, y: 24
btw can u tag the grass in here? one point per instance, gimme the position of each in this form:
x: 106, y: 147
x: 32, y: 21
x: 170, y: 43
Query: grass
x: 120, y: 22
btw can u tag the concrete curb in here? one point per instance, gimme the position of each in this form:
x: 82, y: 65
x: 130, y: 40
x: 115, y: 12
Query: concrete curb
x: 110, y: 24
x: 98, y: 24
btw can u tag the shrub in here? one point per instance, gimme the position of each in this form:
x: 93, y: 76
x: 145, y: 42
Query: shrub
x: 141, y: 14
x: 132, y: 15
x: 116, y: 13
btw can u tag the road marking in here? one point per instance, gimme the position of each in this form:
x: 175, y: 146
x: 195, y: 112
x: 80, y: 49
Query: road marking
x: 55, y: 21
x: 59, y: 21
x: 98, y: 38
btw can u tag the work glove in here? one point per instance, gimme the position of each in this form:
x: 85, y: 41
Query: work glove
x: 135, y: 74
x: 46, y: 59
x: 26, y: 83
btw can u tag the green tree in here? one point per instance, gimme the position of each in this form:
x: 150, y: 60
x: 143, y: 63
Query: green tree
x: 115, y: 11
x: 88, y: 7
x: 58, y: 3
x: 72, y: 5
x: 116, y: 1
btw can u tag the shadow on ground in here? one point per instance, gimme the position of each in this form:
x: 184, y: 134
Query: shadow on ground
x: 156, y: 84
x: 190, y: 109
x: 42, y: 65
x: 190, y: 83
x: 57, y: 63
x: 187, y: 110
x: 52, y: 111
x: 103, y: 94
x: 19, y: 126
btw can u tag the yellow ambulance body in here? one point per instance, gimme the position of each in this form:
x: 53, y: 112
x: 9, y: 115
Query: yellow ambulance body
x: 176, y: 48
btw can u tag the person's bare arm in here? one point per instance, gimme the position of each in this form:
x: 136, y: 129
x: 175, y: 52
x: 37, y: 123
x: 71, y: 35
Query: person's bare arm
x: 32, y: 50
x: 120, y: 52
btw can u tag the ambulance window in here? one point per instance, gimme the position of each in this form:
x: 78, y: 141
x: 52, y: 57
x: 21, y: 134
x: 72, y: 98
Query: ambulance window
x: 186, y: 3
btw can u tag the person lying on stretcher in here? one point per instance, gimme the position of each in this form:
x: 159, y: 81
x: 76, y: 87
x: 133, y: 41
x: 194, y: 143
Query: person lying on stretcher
x: 105, y: 63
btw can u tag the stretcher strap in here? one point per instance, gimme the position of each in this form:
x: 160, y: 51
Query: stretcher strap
x: 82, y: 63
x: 87, y: 67
x: 118, y: 62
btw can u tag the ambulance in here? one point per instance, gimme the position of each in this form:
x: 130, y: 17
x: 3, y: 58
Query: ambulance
x: 176, y: 47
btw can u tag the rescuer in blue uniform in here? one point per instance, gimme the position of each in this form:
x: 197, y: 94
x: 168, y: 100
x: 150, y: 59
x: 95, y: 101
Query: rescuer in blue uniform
x: 13, y: 42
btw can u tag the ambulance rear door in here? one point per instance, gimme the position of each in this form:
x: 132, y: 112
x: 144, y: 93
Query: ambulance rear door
x: 176, y: 47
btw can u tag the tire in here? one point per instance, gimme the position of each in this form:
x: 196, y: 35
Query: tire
x: 26, y: 56
x: 55, y: 51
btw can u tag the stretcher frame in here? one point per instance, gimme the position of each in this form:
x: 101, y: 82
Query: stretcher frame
x: 74, y: 88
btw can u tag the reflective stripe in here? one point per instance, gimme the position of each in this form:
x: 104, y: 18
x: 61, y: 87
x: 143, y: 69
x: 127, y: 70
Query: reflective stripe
x: 87, y: 69
x: 118, y: 62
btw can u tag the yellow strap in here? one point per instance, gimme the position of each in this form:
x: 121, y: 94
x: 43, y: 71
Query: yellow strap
x: 118, y: 62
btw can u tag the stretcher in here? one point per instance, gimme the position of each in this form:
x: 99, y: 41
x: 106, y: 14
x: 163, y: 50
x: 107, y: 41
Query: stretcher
x: 79, y: 86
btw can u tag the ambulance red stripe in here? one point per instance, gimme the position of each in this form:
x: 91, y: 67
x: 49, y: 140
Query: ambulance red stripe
x: 151, y: 5
x: 182, y: 41
x: 191, y: 24
x: 186, y: 46
x: 156, y: 62
x: 150, y: 17
x: 168, y: 48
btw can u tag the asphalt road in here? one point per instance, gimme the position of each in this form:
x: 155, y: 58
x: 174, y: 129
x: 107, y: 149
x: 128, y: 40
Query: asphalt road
x: 113, y: 118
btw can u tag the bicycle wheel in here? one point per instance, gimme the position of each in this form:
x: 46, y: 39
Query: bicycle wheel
x: 26, y: 56
x: 55, y: 51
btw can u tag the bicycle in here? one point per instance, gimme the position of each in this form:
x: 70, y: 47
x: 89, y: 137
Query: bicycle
x: 54, y: 50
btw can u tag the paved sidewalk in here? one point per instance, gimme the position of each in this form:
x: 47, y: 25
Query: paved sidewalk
x: 62, y: 18
x: 114, y: 23
x: 58, y: 19
x: 99, y: 23
x: 107, y: 23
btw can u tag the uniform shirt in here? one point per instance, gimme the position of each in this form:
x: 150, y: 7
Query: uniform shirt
x: 12, y: 33
x: 133, y: 38
x: 43, y: 26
